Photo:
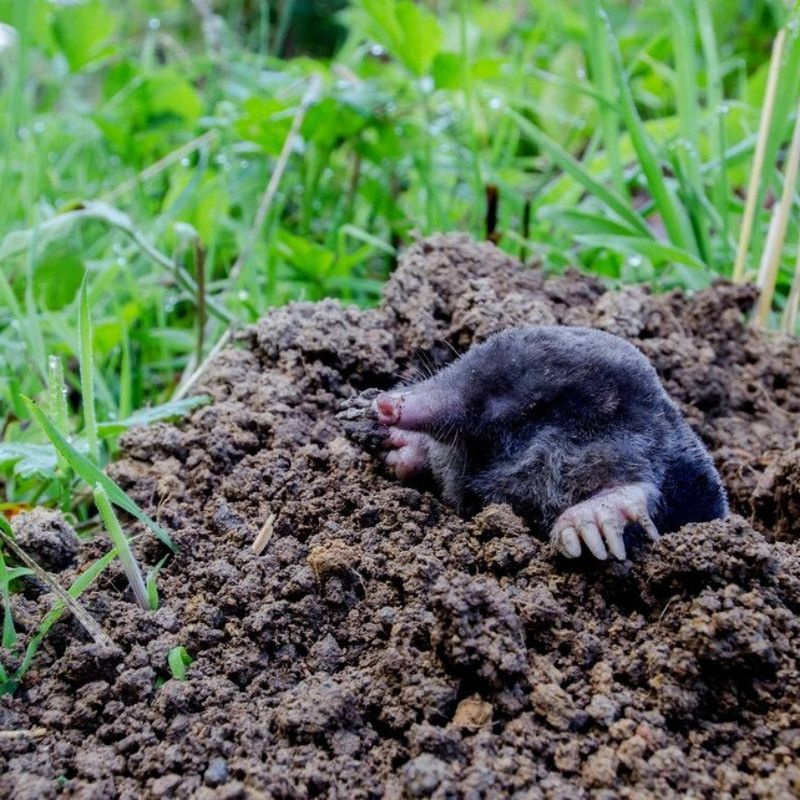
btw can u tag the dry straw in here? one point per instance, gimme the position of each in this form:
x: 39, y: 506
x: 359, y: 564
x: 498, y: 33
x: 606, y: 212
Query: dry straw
x: 758, y: 158
x: 771, y: 258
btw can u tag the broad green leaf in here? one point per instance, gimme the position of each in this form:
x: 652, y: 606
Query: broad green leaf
x: 422, y: 36
x: 448, y: 71
x: 409, y: 31
x: 82, y: 31
x: 266, y: 122
x: 57, y: 276
x: 310, y: 259
x: 29, y: 459
x: 167, y: 96
x: 331, y: 122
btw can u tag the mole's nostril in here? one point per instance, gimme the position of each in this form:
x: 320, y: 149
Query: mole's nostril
x: 387, y: 408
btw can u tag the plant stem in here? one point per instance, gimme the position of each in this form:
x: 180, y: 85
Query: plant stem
x: 758, y: 158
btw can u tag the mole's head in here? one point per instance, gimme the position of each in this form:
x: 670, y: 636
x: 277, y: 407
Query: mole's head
x: 523, y: 380
x: 493, y: 388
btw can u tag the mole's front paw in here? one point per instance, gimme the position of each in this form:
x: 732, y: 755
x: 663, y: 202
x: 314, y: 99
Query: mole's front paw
x: 600, y: 522
x: 408, y: 455
x: 357, y: 415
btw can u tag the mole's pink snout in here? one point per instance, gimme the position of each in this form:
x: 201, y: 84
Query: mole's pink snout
x: 387, y: 407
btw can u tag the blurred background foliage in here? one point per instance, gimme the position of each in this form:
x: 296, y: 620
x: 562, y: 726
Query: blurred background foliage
x: 137, y: 140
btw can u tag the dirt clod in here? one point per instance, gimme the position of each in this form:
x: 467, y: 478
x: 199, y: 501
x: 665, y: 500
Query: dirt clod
x: 379, y: 645
x: 47, y: 537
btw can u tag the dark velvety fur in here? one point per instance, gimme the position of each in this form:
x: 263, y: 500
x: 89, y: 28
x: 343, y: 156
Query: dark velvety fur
x: 544, y: 417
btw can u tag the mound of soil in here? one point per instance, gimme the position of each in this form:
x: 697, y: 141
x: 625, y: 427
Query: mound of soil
x: 382, y: 646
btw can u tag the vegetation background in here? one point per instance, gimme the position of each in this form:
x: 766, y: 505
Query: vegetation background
x: 171, y: 169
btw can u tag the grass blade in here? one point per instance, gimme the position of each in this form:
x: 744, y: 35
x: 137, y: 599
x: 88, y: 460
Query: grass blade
x: 57, y: 390
x: 32, y: 324
x: 8, y: 574
x: 86, y: 357
x: 600, y: 63
x: 152, y: 585
x: 716, y: 112
x: 122, y: 546
x: 147, y: 416
x: 125, y: 406
x: 93, y: 475
x: 689, y: 114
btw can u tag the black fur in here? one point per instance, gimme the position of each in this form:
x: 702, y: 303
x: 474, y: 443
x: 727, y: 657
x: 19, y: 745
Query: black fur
x: 544, y: 417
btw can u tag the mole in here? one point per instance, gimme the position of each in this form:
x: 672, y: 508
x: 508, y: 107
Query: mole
x: 570, y: 426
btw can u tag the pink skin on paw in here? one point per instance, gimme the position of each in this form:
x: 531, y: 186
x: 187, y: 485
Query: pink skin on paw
x: 599, y: 522
x: 387, y: 408
x: 410, y: 454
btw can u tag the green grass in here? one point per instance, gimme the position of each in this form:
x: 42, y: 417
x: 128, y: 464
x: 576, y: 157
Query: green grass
x: 164, y: 189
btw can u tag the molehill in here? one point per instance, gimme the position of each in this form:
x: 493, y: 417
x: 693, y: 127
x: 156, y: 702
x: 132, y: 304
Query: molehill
x: 382, y: 646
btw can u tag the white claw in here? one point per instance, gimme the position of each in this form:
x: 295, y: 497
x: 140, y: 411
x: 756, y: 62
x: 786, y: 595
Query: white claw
x: 649, y: 527
x: 593, y: 540
x: 568, y: 543
x: 612, y: 530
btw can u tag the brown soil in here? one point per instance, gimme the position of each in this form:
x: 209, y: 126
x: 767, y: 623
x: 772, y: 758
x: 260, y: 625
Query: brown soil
x: 382, y: 646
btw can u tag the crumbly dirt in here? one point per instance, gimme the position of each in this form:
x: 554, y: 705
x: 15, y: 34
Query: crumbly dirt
x: 382, y: 646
